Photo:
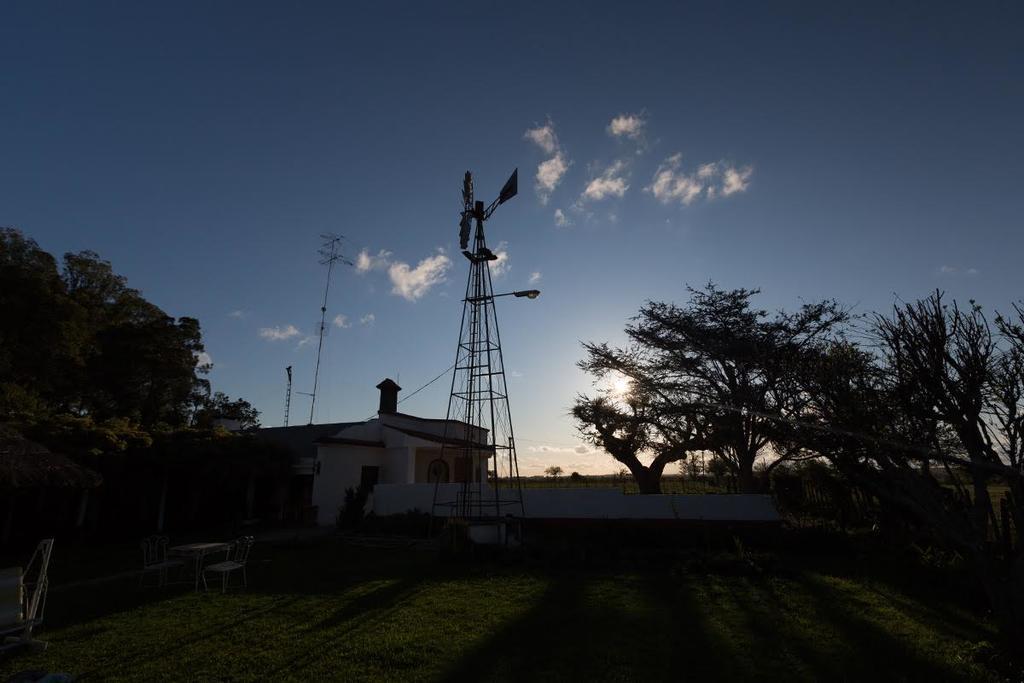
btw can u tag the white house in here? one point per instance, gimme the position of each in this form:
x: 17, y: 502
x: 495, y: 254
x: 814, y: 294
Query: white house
x: 393, y: 448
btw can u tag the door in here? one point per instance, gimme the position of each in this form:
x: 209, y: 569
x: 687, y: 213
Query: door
x: 368, y: 477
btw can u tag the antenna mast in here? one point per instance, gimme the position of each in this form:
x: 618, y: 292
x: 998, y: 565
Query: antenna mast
x: 288, y: 395
x: 330, y: 253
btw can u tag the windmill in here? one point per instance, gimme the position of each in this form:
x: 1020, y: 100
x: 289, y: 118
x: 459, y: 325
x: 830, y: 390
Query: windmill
x: 479, y: 439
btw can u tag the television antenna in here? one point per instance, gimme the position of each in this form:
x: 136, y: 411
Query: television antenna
x: 478, y: 436
x: 330, y: 253
x: 288, y: 395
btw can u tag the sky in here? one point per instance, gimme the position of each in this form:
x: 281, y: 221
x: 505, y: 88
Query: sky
x: 868, y: 152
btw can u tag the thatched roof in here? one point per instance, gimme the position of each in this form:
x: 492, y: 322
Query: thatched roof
x: 27, y: 464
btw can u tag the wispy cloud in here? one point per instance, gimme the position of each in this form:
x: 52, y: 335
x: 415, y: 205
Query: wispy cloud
x: 612, y: 182
x: 954, y: 270
x: 237, y: 313
x: 277, y: 333
x: 550, y: 171
x: 500, y: 266
x: 368, y: 319
x: 535, y: 277
x: 561, y: 220
x: 308, y: 339
x: 365, y: 262
x: 627, y: 126
x: 549, y: 175
x: 710, y: 181
x: 544, y: 137
x: 412, y: 283
x: 341, y: 320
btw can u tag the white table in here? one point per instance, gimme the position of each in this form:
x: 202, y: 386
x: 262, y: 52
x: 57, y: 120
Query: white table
x: 196, y: 552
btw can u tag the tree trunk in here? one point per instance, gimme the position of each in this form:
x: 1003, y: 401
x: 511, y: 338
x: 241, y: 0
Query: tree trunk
x: 745, y: 477
x: 648, y: 481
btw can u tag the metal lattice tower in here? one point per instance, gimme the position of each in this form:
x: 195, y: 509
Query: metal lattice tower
x: 288, y: 395
x: 479, y: 438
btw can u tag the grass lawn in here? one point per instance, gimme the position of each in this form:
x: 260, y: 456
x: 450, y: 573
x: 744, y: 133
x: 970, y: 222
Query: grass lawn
x: 328, y: 610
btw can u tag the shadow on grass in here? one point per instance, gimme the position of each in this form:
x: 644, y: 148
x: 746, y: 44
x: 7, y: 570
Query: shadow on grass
x: 603, y: 627
x: 659, y: 628
x: 362, y: 612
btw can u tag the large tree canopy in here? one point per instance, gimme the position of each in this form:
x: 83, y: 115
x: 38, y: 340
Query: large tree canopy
x: 79, y: 340
x: 717, y: 374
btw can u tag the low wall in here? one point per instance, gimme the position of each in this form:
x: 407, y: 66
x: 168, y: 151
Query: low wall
x: 391, y: 499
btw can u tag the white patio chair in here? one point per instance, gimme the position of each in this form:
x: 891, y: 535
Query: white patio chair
x: 154, y: 560
x: 238, y: 555
x: 23, y: 599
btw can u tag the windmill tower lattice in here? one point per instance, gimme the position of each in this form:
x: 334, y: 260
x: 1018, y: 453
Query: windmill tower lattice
x: 479, y: 438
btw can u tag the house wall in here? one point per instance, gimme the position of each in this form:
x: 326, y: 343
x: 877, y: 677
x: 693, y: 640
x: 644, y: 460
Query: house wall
x: 398, y: 466
x: 593, y: 504
x: 424, y: 456
x: 340, y: 468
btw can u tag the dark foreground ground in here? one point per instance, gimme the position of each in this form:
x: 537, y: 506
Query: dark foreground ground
x: 331, y: 609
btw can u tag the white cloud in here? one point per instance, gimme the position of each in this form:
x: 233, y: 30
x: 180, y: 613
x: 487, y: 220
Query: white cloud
x: 561, y: 220
x: 550, y: 171
x: 544, y: 137
x: 549, y: 175
x: 736, y: 180
x: 581, y: 449
x: 535, y: 277
x: 500, y: 266
x: 951, y: 270
x: 365, y: 262
x: 278, y: 333
x: 627, y: 125
x: 711, y: 180
x: 308, y: 339
x: 341, y: 321
x: 412, y: 283
x: 515, y: 373
x: 238, y: 313
x: 203, y: 358
x: 611, y: 183
x: 368, y: 319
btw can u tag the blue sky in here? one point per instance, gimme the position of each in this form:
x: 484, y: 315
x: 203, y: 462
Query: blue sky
x: 851, y: 150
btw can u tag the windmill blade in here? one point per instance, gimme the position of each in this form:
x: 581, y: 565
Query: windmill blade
x: 510, y: 189
x: 464, y: 226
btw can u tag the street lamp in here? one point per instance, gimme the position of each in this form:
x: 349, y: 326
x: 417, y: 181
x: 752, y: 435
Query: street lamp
x: 528, y: 293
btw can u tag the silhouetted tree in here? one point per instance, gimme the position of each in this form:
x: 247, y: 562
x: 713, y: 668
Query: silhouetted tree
x: 944, y: 392
x: 81, y: 341
x: 220, y: 406
x: 41, y: 331
x: 715, y: 375
x: 554, y: 471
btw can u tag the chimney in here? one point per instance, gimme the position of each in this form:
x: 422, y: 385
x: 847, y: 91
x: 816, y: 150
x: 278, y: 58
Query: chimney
x: 388, y: 396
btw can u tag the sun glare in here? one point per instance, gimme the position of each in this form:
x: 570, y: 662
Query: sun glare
x: 619, y: 385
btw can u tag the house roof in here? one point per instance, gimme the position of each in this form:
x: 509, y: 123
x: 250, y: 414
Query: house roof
x: 437, y: 438
x: 349, y: 442
x: 301, y: 440
x: 433, y: 419
x: 27, y: 464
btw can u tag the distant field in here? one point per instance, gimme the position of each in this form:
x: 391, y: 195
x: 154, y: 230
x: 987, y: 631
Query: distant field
x: 669, y: 484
